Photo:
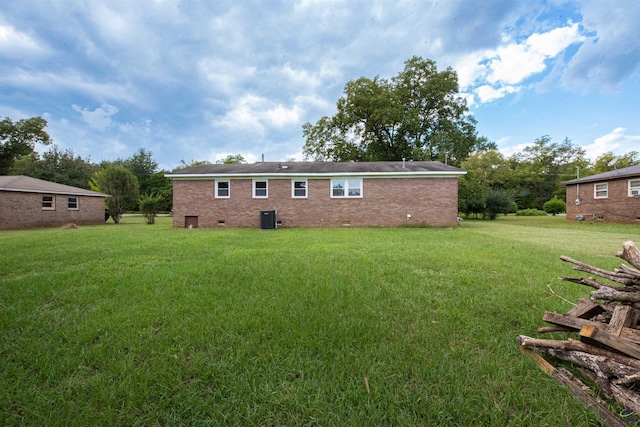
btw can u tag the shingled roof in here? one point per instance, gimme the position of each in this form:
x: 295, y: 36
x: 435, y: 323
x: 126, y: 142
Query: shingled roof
x: 26, y: 184
x: 630, y: 172
x: 319, y: 169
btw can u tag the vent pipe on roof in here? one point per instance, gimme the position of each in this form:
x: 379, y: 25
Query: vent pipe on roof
x: 263, y: 158
x: 403, y: 159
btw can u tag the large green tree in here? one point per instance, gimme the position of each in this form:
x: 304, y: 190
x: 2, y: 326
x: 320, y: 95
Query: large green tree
x: 609, y: 161
x: 55, y: 165
x: 539, y: 169
x: 232, y: 159
x: 417, y: 115
x: 19, y: 139
x: 121, y: 184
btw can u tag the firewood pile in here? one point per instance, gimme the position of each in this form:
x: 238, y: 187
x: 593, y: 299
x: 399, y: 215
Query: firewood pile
x: 608, y: 349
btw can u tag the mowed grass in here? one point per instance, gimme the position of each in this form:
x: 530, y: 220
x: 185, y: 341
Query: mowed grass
x: 136, y: 324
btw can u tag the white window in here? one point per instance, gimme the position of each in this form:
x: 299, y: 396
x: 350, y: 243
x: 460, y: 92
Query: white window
x: 222, y: 189
x: 601, y: 191
x: 260, y: 188
x: 48, y: 203
x: 72, y: 203
x: 341, y: 187
x: 299, y: 188
x: 634, y: 187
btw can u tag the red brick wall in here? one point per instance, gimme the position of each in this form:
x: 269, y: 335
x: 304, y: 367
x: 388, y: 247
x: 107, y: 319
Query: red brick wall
x: 385, y: 202
x: 24, y: 210
x: 617, y: 207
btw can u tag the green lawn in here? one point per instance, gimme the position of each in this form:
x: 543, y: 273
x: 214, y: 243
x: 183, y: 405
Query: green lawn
x: 136, y: 324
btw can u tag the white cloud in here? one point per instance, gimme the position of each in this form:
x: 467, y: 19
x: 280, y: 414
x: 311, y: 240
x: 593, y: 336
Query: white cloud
x: 17, y: 44
x: 487, y: 93
x: 504, y: 68
x: 256, y: 114
x: 100, y: 118
x: 616, y: 141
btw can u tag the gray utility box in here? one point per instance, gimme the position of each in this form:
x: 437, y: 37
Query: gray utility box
x: 267, y: 220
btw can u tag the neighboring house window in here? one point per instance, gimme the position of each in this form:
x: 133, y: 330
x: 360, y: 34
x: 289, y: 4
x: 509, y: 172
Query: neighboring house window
x: 222, y: 189
x: 601, y: 191
x: 48, y: 203
x: 634, y: 187
x: 260, y: 188
x: 299, y: 188
x: 346, y: 187
x: 72, y: 203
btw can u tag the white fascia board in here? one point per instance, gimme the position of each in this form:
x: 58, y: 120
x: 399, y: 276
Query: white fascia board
x: 427, y: 174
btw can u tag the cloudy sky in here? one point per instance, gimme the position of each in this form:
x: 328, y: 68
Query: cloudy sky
x: 199, y: 80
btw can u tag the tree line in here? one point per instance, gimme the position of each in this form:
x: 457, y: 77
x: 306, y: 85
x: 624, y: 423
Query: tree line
x: 416, y: 115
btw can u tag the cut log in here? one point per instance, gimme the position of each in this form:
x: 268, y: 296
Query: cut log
x: 622, y: 345
x: 548, y: 329
x: 602, y: 366
x: 610, y: 294
x: 576, y: 324
x: 578, y: 346
x: 630, y: 271
x: 578, y: 388
x: 629, y: 379
x: 609, y: 275
x: 586, y: 309
x: 630, y: 253
x: 623, y: 316
x: 628, y: 398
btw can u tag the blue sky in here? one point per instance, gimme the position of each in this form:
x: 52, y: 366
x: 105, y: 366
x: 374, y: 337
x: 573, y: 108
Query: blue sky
x: 199, y: 80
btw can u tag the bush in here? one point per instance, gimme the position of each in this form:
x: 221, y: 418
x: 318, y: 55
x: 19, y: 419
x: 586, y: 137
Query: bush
x: 498, y: 201
x: 531, y: 212
x: 150, y: 206
x: 555, y: 206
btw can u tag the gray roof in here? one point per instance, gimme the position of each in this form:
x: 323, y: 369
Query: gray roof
x: 630, y: 172
x: 319, y: 169
x: 26, y: 184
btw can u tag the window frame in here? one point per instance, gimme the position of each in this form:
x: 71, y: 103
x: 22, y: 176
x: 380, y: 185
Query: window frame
x: 293, y: 188
x: 217, y: 189
x: 631, y: 187
x: 605, y: 190
x: 348, y: 188
x: 266, y: 188
x: 76, y: 202
x: 51, y: 203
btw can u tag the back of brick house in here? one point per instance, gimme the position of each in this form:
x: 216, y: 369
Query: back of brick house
x: 611, y: 196
x: 27, y: 202
x: 317, y: 194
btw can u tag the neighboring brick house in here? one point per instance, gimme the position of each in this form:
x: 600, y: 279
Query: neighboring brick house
x: 27, y: 202
x: 316, y: 194
x: 611, y: 196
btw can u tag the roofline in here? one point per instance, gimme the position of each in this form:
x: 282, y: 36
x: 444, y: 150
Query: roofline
x: 414, y: 174
x: 66, y: 193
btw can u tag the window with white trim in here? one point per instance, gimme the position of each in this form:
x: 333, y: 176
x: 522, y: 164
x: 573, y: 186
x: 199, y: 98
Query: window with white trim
x: 260, y: 188
x: 48, y: 203
x: 342, y: 187
x: 601, y: 191
x: 223, y: 188
x: 72, y: 203
x: 634, y: 187
x: 299, y: 188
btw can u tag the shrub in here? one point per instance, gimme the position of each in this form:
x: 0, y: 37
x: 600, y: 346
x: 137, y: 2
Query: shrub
x: 531, y: 212
x: 555, y: 206
x: 150, y: 206
x: 498, y: 201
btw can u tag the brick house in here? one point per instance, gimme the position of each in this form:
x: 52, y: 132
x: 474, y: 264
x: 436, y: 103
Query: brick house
x: 612, y: 196
x: 316, y: 194
x: 27, y: 202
